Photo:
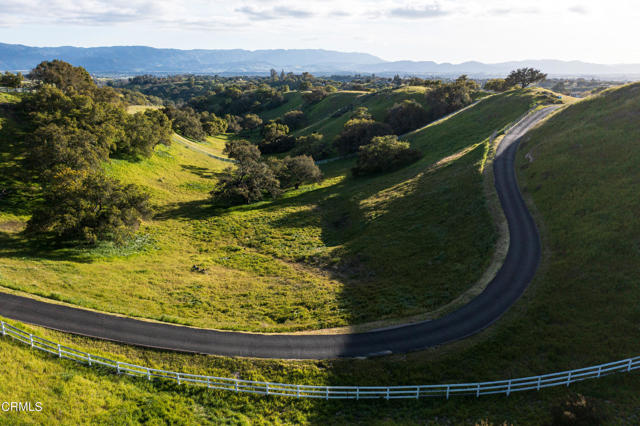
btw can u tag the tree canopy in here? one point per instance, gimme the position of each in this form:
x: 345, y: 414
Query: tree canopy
x: 525, y: 77
x: 384, y: 153
x: 87, y: 206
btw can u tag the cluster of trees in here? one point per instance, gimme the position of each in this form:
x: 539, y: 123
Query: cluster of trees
x: 11, y: 80
x: 253, y: 178
x: 358, y: 131
x: 74, y: 127
x: 383, y: 154
x: 188, y: 123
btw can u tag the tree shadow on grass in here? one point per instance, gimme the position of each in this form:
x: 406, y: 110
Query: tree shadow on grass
x: 17, y: 245
x: 202, y: 172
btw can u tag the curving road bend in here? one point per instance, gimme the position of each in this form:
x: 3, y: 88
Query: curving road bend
x: 508, y: 285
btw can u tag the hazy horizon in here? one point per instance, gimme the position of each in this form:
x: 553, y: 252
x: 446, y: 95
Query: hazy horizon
x: 452, y: 31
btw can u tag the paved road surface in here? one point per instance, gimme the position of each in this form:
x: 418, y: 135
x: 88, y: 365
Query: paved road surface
x: 510, y: 282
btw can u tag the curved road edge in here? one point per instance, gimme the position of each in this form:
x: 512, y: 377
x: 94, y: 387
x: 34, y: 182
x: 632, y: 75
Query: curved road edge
x: 502, y: 292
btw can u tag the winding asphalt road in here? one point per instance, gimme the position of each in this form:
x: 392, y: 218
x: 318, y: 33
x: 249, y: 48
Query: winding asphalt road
x: 509, y: 283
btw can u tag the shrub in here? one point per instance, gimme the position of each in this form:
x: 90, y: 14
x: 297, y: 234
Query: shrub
x: 384, y: 153
x: 497, y: 85
x: 406, y: 116
x: 185, y: 122
x: 85, y: 205
x: 315, y: 95
x: 293, y: 119
x: 251, y: 121
x: 143, y: 131
x: 313, y: 145
x: 276, y: 138
x: 358, y: 132
x: 295, y: 171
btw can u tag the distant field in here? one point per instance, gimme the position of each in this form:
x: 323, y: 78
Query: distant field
x: 132, y: 109
x: 344, y: 252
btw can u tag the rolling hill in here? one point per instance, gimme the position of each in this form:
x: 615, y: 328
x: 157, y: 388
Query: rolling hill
x: 129, y: 60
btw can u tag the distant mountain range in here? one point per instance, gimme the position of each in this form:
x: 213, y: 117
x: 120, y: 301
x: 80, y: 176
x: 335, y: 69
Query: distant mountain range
x: 129, y: 60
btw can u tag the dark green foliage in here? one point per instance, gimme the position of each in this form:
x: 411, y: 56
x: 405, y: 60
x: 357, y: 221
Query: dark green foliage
x: 143, y: 131
x: 185, y: 122
x: 212, y: 124
x: 497, y: 85
x: 448, y: 98
x: 251, y: 121
x: 73, y: 130
x: 312, y: 145
x: 293, y: 119
x: 11, y: 80
x: 406, y: 116
x: 295, y: 171
x: 242, y: 150
x: 276, y: 138
x: 358, y: 132
x: 383, y: 154
x: 525, y: 77
x: 249, y: 181
x: 315, y: 95
x: 52, y: 145
x: 87, y: 206
x: 63, y: 75
x: 233, y: 123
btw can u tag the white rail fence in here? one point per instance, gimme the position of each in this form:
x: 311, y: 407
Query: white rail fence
x: 564, y: 378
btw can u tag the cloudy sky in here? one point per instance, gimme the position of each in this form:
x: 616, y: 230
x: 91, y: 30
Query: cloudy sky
x: 442, y: 31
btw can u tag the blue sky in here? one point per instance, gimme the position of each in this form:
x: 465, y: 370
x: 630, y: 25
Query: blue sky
x: 443, y: 31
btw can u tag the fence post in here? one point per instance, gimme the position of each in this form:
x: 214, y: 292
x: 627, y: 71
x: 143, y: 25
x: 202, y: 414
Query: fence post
x: 539, y: 380
x: 4, y: 332
x: 148, y: 374
x: 236, y: 385
x: 267, y: 388
x: 417, y: 392
x: 599, y: 371
x: 509, y: 388
x: 59, y: 351
x: 448, y: 391
x: 387, y: 397
x: 358, y: 393
x: 31, y: 339
x: 118, y: 366
x: 569, y: 379
x: 478, y: 391
x: 629, y: 366
x: 178, y: 377
x: 89, y: 359
x: 327, y: 392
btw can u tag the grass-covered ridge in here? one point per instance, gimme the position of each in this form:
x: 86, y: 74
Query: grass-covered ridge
x: 343, y: 252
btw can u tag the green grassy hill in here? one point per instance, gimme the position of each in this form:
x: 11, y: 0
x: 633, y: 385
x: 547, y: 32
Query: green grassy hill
x: 579, y: 171
x: 342, y: 252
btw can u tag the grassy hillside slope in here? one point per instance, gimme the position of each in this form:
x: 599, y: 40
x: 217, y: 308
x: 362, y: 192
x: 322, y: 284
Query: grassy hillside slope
x: 343, y: 252
x: 582, y: 309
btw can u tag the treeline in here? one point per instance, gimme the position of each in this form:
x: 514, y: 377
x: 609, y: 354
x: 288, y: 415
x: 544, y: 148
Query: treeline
x: 11, y: 80
x: 73, y: 126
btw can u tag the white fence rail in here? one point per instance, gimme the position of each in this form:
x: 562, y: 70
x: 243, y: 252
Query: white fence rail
x: 564, y: 378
